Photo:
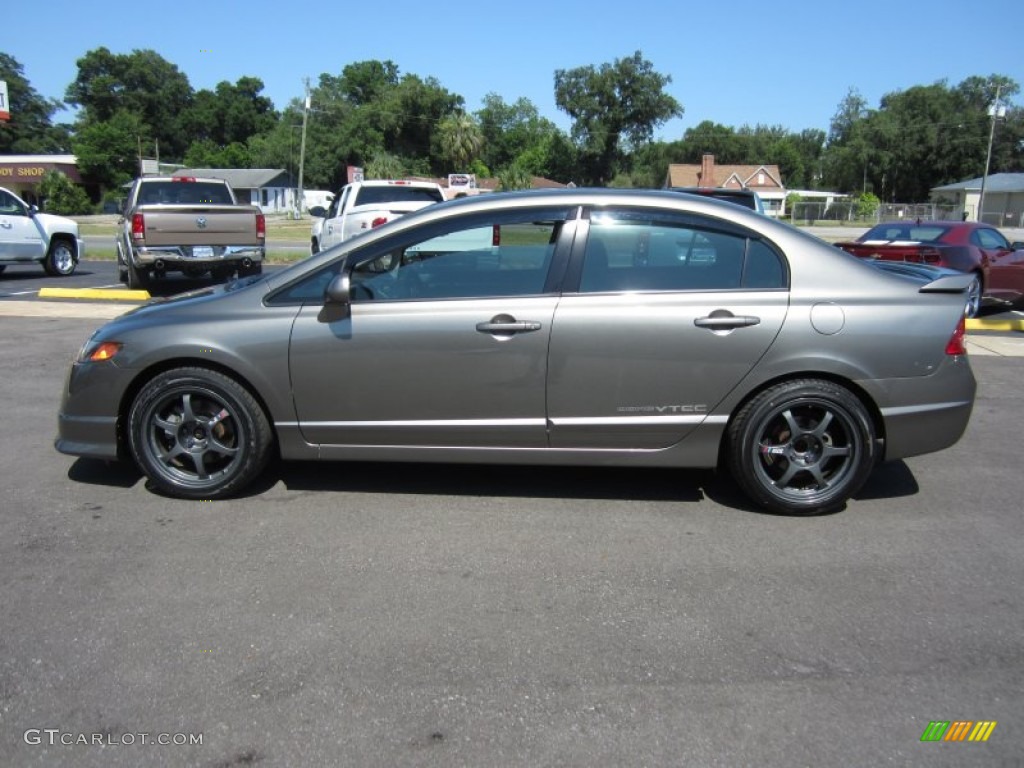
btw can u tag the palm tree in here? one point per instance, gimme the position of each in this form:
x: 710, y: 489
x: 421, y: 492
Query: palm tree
x: 385, y: 166
x: 460, y: 140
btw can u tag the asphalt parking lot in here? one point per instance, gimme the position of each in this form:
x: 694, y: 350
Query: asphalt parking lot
x: 373, y: 615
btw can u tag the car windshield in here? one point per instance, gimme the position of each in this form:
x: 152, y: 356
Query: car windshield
x: 918, y: 233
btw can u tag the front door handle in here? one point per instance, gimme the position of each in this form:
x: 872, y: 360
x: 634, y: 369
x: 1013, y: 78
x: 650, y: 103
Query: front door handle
x: 724, y: 320
x: 508, y: 327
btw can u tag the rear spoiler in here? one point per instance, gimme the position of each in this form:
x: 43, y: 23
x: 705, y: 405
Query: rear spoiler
x: 948, y: 284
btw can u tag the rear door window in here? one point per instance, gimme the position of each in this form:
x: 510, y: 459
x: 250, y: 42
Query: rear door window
x: 628, y: 251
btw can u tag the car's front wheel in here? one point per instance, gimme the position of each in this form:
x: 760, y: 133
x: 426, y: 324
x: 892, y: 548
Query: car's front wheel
x: 60, y: 259
x: 802, y: 447
x: 198, y: 434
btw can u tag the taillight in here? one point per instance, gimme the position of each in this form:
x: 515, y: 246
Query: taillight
x: 957, y: 344
x: 378, y: 221
x: 188, y: 179
x: 138, y: 226
x: 496, y: 234
x: 261, y: 226
x: 930, y: 255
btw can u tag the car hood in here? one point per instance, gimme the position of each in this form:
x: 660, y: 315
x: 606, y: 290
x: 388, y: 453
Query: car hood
x: 50, y: 220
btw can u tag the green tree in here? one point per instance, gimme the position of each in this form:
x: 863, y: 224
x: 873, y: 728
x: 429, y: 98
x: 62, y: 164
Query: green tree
x: 459, y: 141
x: 517, y: 133
x: 206, y: 154
x: 107, y: 151
x: 61, y: 196
x: 384, y: 166
x: 615, y: 109
x: 230, y: 113
x: 513, y: 177
x: 142, y: 83
x: 29, y: 130
x: 923, y: 137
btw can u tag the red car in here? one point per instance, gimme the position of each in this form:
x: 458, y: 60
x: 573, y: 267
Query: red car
x: 965, y: 246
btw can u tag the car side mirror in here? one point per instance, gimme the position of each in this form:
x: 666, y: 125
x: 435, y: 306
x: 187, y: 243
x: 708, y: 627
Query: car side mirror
x: 1017, y: 246
x: 337, y: 299
x: 319, y: 211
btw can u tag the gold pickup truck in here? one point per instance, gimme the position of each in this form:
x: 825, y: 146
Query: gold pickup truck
x: 189, y: 225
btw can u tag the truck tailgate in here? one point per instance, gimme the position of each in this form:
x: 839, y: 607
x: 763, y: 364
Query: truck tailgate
x: 208, y: 225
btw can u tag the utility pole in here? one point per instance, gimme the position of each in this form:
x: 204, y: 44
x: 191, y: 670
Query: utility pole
x: 994, y: 112
x: 302, y: 152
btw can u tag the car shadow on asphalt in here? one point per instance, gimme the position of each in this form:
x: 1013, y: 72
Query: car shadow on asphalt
x: 118, y: 474
x: 889, y: 481
x: 492, y: 480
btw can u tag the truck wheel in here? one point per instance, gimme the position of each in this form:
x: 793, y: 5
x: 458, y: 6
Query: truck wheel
x: 802, y: 447
x: 138, y: 279
x: 60, y: 259
x: 198, y: 434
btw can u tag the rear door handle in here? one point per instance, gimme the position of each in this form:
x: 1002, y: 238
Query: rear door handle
x: 723, y: 320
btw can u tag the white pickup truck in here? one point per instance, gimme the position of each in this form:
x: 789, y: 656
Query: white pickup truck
x: 28, y: 236
x: 363, y: 205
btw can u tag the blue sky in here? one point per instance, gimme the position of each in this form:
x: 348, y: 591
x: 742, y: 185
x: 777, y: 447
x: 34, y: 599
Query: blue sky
x: 734, y: 62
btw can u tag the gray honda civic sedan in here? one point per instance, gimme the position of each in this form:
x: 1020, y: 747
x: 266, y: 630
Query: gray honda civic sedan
x: 568, y: 327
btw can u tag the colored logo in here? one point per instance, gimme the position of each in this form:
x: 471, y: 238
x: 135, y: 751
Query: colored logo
x: 958, y: 730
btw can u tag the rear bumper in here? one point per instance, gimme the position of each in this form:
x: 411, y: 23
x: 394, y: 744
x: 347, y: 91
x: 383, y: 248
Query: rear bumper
x: 925, y: 414
x: 183, y: 255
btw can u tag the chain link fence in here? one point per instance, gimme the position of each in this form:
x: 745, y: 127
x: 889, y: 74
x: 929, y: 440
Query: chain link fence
x: 845, y: 211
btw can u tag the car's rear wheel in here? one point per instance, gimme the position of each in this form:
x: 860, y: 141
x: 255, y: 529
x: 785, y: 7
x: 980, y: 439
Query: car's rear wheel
x: 974, y: 293
x: 137, y: 279
x: 802, y: 447
x: 198, y: 434
x: 60, y: 259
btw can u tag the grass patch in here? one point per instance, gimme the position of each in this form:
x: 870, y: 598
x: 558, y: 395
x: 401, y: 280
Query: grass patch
x: 278, y: 227
x: 273, y: 257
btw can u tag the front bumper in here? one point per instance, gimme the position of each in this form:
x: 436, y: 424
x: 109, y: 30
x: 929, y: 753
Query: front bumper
x: 87, y: 423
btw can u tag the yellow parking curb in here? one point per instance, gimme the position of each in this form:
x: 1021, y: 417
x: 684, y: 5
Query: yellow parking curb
x: 94, y: 293
x: 995, y: 324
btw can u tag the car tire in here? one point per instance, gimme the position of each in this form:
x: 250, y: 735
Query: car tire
x: 255, y: 269
x: 802, y: 447
x: 3, y: 267
x: 137, y: 279
x: 198, y: 434
x: 314, y: 247
x: 61, y: 259
x: 974, y: 294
